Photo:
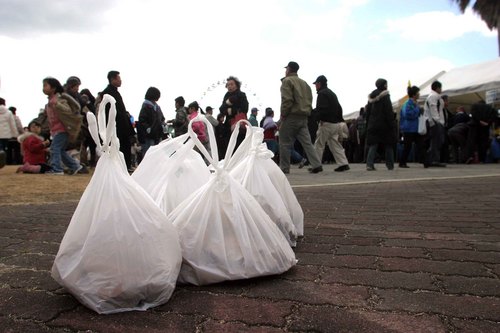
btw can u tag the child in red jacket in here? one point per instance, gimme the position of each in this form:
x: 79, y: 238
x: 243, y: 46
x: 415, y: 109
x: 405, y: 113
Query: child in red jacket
x: 34, y: 150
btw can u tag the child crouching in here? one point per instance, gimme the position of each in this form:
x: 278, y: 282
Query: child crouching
x: 34, y: 150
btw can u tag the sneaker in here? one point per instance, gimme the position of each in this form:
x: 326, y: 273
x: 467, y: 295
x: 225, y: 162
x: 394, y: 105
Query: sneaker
x: 370, y: 168
x: 74, y: 172
x: 302, y: 163
x: 55, y: 173
x: 83, y: 171
x: 285, y: 171
x: 342, y: 168
x: 403, y: 166
x: 316, y: 170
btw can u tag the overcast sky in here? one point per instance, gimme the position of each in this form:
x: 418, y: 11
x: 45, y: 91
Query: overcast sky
x: 189, y: 47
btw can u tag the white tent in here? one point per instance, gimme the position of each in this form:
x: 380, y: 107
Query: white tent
x: 466, y: 85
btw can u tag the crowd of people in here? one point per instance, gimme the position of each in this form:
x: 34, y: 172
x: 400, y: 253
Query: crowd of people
x: 303, y: 135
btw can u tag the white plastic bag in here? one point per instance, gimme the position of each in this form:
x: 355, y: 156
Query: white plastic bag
x: 422, y: 124
x: 224, y: 233
x: 252, y: 173
x: 284, y: 189
x: 171, y: 172
x: 119, y: 252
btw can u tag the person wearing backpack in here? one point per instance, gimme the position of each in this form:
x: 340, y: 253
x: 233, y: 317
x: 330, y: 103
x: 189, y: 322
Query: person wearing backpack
x: 59, y: 103
x: 408, y: 126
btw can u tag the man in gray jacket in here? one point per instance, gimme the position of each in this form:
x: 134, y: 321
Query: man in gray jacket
x: 296, y: 106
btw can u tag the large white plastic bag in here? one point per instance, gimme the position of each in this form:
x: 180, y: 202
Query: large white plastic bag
x: 172, y: 172
x: 119, y: 252
x: 251, y: 172
x: 224, y: 233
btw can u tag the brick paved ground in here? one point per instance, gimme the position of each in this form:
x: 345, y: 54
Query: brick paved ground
x: 410, y: 256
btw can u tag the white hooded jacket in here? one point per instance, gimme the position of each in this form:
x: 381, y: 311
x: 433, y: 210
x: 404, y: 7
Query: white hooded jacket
x: 8, y: 128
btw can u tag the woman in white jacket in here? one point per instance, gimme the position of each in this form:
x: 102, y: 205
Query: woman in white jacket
x: 8, y: 128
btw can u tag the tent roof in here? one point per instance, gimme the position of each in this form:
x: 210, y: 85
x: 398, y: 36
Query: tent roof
x: 468, y: 83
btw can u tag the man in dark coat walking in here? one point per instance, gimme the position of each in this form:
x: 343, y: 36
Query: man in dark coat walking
x: 381, y: 125
x: 330, y: 124
x: 124, y: 129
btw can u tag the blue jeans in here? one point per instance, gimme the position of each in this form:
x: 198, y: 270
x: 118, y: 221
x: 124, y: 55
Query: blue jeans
x: 58, y: 153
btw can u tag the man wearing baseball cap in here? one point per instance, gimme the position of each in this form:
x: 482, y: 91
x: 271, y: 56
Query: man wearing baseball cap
x: 330, y: 123
x: 296, y: 106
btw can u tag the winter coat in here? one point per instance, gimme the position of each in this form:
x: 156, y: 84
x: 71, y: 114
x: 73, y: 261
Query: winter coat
x: 181, y: 121
x: 409, y: 117
x: 8, y: 128
x: 239, y: 104
x: 380, y: 119
x: 124, y: 127
x: 296, y: 96
x: 328, y: 106
x: 34, y: 151
x: 150, y: 118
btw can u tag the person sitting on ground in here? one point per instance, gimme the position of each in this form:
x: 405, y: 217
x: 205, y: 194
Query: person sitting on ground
x: 34, y: 149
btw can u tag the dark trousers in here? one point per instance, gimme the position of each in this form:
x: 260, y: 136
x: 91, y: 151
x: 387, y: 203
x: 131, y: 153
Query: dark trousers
x: 412, y: 140
x: 125, y: 148
x: 436, y: 137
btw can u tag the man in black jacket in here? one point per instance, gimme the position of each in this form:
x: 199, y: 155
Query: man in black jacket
x: 330, y: 123
x: 124, y: 129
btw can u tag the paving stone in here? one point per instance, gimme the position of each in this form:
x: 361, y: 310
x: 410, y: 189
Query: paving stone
x: 458, y: 306
x: 495, y: 269
x: 314, y: 258
x: 461, y: 237
x: 379, y: 279
x: 423, y: 243
x: 311, y: 293
x: 464, y: 255
x: 329, y: 319
x: 472, y: 286
x: 385, y: 234
x: 251, y: 311
x: 83, y: 320
x: 302, y: 272
x: 315, y: 248
x: 433, y: 266
x: 30, y: 261
x: 482, y: 246
x: 231, y: 327
x: 37, y: 305
x: 28, y: 279
x: 11, y: 325
x: 475, y: 326
x: 380, y: 251
x: 35, y: 247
